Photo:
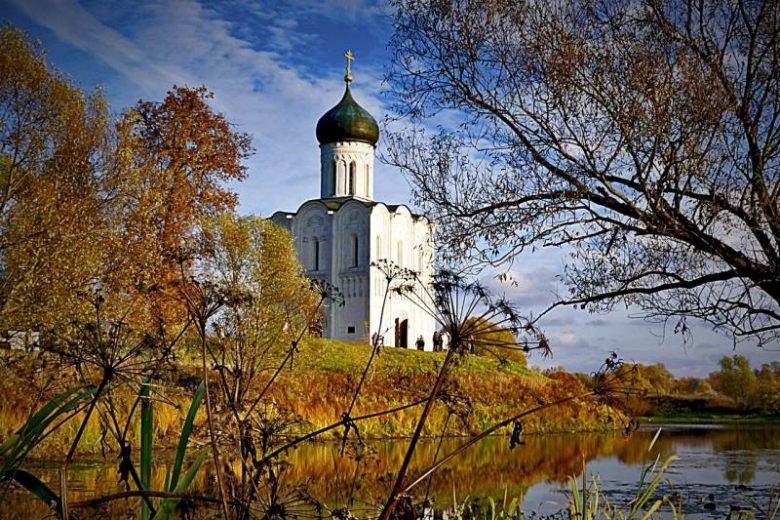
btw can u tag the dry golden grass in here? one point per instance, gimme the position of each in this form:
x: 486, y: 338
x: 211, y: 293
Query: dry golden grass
x: 319, y: 387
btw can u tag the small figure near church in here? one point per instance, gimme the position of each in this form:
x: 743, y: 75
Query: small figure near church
x: 420, y: 343
x: 438, y: 341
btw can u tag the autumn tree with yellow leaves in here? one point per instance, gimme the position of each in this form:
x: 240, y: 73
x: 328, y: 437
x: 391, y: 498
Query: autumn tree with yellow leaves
x: 96, y: 207
x: 57, y: 182
x: 181, y: 156
x: 268, y: 299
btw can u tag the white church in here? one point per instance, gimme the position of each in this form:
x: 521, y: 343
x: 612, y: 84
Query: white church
x: 340, y: 234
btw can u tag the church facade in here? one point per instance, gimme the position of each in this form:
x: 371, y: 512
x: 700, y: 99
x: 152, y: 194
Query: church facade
x: 339, y: 235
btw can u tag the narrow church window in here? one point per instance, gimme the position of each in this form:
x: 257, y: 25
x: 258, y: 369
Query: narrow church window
x: 333, y: 178
x: 355, y: 256
x: 316, y: 253
x: 352, y: 177
x: 341, y: 177
x: 400, y: 253
x: 378, y: 251
x: 367, y: 177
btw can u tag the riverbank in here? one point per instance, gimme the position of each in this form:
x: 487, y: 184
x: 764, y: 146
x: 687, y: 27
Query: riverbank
x: 707, y: 408
x: 316, y: 389
x: 710, y: 418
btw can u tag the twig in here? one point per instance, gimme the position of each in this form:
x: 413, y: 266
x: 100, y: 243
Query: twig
x: 398, y: 486
x: 210, y: 419
x: 93, y: 502
x: 485, y: 433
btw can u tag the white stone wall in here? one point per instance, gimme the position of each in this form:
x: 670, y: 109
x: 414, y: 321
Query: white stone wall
x: 336, y: 163
x: 380, y: 234
x: 406, y: 241
x: 313, y: 223
x: 350, y: 272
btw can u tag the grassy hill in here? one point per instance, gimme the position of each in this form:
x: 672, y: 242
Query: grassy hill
x: 481, y: 392
x: 317, y: 388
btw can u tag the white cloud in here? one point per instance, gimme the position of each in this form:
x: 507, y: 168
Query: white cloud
x: 78, y: 27
x: 187, y: 43
x: 566, y: 339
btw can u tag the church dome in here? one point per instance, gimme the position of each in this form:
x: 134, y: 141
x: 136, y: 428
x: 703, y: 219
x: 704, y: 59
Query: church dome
x: 347, y: 121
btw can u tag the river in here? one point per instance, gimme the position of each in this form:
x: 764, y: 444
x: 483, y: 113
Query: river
x: 720, y: 468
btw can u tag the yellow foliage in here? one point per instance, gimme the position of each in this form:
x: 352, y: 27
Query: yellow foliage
x: 54, y: 179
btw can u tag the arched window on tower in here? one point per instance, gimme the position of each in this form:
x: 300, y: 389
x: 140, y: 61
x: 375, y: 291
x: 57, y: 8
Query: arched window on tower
x: 355, y: 255
x: 333, y: 178
x: 368, y: 173
x: 315, y: 253
x: 341, y: 176
x: 352, y: 177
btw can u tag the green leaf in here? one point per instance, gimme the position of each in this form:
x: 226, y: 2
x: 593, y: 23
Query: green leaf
x: 28, y: 436
x: 147, y: 430
x: 575, y: 495
x: 36, y: 420
x: 32, y: 484
x: 185, y: 435
x: 644, y: 495
x: 49, y: 407
x: 169, y: 504
x: 191, y: 472
x: 9, y: 443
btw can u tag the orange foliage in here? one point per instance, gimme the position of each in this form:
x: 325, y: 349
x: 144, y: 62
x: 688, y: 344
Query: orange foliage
x: 182, y: 155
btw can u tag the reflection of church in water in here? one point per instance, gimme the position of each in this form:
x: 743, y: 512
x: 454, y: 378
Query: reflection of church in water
x: 340, y: 234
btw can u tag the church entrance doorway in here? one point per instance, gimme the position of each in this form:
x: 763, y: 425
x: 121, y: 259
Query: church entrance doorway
x: 401, y: 333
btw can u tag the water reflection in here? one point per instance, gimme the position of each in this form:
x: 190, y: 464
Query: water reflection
x: 534, y: 471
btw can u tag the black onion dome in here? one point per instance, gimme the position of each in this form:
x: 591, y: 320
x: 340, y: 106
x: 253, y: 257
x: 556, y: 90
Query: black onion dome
x: 347, y: 121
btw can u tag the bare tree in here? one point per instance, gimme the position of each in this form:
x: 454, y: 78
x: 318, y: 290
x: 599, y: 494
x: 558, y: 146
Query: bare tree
x: 642, y: 135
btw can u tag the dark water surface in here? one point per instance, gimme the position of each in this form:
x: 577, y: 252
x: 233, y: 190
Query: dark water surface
x: 720, y: 468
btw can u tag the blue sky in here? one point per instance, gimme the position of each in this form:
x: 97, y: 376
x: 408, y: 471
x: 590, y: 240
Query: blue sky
x: 275, y: 67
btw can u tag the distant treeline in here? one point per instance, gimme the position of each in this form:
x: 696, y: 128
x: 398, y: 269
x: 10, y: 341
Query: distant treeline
x: 735, y: 388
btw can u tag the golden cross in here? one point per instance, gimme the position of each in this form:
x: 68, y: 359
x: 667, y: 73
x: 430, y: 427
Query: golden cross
x: 349, y: 57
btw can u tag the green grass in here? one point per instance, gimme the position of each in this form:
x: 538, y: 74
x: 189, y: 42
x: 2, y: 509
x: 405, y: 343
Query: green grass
x: 326, y: 355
